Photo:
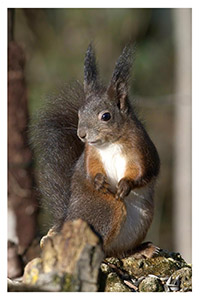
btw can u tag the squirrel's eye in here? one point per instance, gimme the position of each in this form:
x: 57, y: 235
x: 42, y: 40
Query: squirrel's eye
x: 106, y: 116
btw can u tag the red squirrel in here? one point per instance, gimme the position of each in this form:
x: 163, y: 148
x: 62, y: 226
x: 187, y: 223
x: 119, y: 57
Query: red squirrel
x: 96, y: 160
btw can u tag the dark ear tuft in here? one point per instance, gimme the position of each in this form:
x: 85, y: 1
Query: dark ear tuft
x: 90, y: 71
x: 118, y: 88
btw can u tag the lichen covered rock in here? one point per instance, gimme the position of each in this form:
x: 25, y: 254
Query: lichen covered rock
x: 73, y: 261
x: 114, y: 284
x: 151, y: 284
x: 70, y: 260
x: 185, y: 277
x: 167, y: 271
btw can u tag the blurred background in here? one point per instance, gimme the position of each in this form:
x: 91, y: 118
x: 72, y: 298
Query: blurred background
x: 54, y: 42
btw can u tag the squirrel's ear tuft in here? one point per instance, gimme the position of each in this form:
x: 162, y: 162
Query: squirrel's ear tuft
x: 119, y: 85
x: 90, y: 71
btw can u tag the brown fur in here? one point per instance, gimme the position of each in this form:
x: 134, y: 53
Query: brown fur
x: 93, y: 164
x: 118, y: 207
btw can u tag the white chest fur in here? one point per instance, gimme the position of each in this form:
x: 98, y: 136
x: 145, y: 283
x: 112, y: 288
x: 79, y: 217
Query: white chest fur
x: 114, y: 162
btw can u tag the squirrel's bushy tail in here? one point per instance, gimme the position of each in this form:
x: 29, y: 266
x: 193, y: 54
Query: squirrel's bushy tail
x: 56, y: 146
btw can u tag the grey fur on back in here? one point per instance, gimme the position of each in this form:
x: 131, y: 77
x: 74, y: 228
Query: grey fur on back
x: 53, y: 136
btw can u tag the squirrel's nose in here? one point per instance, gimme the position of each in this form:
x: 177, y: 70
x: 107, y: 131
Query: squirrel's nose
x: 82, y: 133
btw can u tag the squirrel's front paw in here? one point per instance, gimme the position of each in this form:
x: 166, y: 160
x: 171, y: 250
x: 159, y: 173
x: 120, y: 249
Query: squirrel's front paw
x: 123, y: 189
x: 100, y: 182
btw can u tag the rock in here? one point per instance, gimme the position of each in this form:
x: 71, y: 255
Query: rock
x: 151, y: 284
x: 70, y: 260
x: 114, y: 284
x: 32, y: 271
x: 151, y: 274
x: 185, y: 277
x: 162, y: 265
x: 18, y: 286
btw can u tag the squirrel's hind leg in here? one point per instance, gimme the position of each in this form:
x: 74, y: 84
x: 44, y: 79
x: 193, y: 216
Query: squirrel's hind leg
x: 144, y: 250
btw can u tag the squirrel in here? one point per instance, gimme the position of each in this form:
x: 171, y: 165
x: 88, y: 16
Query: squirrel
x: 96, y: 160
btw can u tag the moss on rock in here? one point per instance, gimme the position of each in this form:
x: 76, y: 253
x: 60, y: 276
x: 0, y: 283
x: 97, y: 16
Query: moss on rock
x: 151, y: 284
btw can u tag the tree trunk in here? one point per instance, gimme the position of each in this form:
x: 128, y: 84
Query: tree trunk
x: 22, y: 204
x: 182, y: 164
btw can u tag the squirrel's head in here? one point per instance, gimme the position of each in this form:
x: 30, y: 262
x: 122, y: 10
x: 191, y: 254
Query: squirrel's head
x: 105, y: 110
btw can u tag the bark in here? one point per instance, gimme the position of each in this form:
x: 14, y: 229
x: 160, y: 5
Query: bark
x: 182, y: 139
x: 22, y: 202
